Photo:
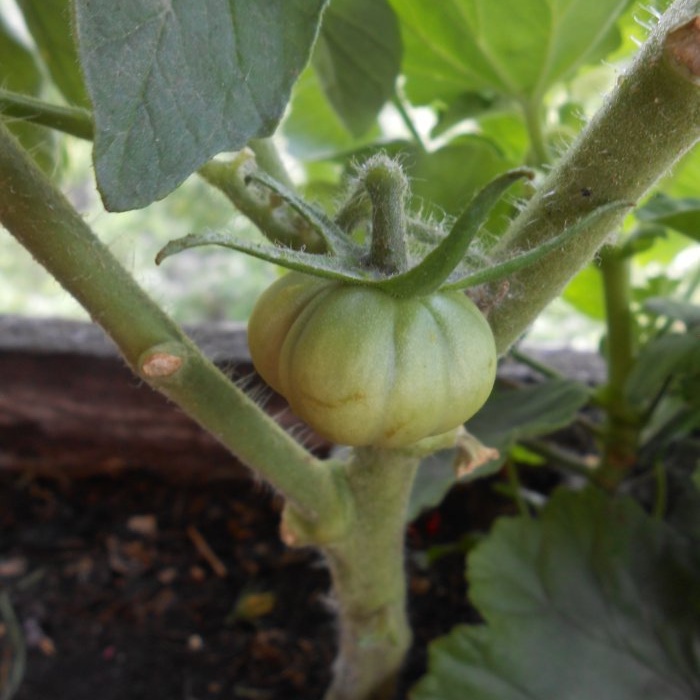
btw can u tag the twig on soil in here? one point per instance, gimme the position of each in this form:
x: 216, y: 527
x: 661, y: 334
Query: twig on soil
x: 206, y: 552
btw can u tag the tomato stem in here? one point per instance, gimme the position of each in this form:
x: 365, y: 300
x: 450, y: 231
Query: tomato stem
x: 70, y: 120
x: 649, y: 121
x: 621, y: 436
x: 387, y: 187
x: 366, y: 561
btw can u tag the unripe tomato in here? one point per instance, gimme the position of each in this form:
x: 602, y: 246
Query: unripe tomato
x: 365, y: 368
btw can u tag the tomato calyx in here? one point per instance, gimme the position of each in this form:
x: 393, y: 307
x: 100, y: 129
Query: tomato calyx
x: 378, y: 200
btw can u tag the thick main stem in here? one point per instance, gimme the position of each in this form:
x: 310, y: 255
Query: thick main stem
x: 649, y: 121
x: 369, y: 579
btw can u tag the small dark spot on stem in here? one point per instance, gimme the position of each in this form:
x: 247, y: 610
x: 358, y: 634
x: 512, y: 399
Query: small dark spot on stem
x: 586, y: 192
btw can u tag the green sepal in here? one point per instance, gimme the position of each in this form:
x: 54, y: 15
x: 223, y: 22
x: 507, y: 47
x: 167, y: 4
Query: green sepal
x: 337, y: 242
x: 328, y: 266
x: 500, y: 270
x: 430, y: 274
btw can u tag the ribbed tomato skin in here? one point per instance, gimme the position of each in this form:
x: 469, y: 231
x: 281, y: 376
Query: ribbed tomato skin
x: 364, y: 368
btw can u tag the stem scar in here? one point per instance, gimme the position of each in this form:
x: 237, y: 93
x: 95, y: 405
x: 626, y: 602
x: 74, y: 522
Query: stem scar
x: 161, y: 364
x: 683, y: 46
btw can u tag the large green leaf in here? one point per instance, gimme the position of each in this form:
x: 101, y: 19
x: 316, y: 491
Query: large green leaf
x: 596, y: 599
x: 174, y: 83
x: 51, y: 28
x: 18, y: 69
x: 519, y: 48
x: 357, y: 58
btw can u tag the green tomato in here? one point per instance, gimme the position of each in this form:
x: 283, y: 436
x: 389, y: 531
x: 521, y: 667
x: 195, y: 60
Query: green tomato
x: 365, y: 368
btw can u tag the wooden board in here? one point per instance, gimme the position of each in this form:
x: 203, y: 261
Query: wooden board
x: 70, y: 406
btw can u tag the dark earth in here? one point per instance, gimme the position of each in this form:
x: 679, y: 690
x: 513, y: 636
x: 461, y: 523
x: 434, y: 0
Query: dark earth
x: 135, y: 586
x: 139, y: 560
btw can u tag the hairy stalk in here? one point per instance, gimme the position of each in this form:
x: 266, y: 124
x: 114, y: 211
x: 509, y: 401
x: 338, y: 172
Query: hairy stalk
x: 70, y: 120
x: 649, y: 121
x: 621, y: 435
x: 275, y: 220
x: 367, y: 567
x: 387, y: 188
x: 42, y: 220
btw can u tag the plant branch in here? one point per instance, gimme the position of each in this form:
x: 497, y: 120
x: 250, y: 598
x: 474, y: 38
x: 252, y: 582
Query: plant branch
x: 621, y: 435
x: 70, y: 120
x: 534, y: 364
x: 649, y: 121
x: 559, y: 457
x: 42, y: 220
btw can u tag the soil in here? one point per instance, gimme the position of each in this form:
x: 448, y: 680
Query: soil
x: 136, y: 586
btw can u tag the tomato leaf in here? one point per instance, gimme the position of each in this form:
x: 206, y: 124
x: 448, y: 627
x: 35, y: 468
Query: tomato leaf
x: 518, y: 48
x: 659, y: 361
x: 682, y: 215
x: 673, y: 308
x: 507, y: 416
x: 312, y: 127
x: 585, y: 293
x: 595, y: 599
x: 357, y: 59
x: 512, y: 415
x: 443, y: 181
x: 50, y: 26
x: 175, y: 83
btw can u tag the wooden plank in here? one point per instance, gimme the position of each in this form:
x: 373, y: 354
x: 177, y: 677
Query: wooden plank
x: 70, y: 406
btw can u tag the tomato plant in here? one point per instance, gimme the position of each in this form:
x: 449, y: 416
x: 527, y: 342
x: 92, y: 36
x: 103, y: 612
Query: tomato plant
x: 375, y: 337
